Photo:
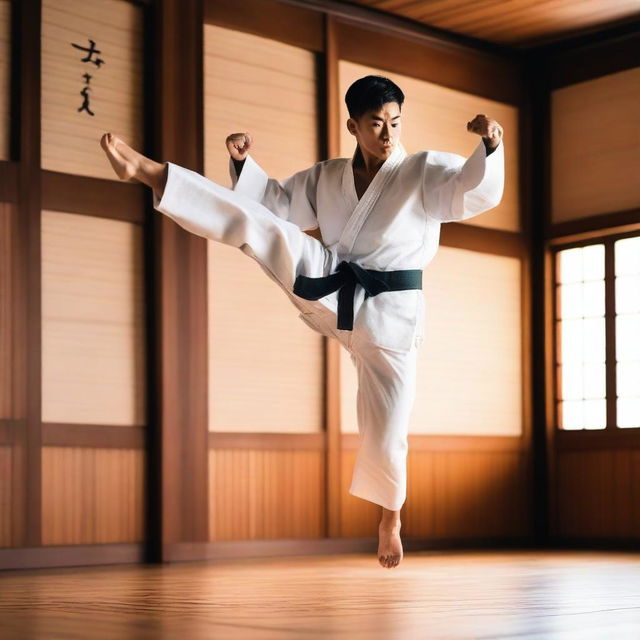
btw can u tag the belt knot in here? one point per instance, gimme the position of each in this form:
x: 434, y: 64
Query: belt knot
x: 345, y: 279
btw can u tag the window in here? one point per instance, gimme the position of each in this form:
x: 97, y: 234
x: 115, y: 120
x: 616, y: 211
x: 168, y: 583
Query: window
x: 598, y: 334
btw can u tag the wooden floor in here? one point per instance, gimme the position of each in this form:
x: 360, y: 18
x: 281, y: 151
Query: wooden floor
x: 470, y: 595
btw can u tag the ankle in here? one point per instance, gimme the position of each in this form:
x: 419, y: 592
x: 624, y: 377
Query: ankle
x: 153, y: 174
x: 390, y: 523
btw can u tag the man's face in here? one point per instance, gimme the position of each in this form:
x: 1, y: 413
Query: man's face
x: 378, y: 132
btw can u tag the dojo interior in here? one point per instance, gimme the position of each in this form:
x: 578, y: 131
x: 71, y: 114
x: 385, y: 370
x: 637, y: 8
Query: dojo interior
x: 176, y: 445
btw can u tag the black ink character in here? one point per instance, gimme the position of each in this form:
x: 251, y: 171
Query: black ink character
x: 91, y: 51
x: 85, y: 104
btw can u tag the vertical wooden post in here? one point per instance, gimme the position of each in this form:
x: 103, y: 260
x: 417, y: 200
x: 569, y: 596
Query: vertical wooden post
x: 539, y: 154
x: 179, y: 288
x: 26, y: 282
x: 333, y: 426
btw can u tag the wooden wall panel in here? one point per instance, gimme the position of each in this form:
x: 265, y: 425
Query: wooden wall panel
x: 265, y: 367
x: 6, y: 486
x: 474, y: 494
x: 6, y: 311
x: 435, y: 117
x: 598, y: 493
x: 5, y: 77
x: 71, y: 138
x: 450, y: 494
x: 93, y: 346
x: 257, y: 494
x: 92, y: 496
x: 595, y: 142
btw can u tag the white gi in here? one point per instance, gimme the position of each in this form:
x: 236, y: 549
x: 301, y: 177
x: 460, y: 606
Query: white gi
x: 394, y: 226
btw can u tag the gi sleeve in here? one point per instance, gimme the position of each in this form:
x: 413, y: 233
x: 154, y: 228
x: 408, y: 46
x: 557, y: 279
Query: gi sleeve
x: 455, y: 188
x: 292, y: 199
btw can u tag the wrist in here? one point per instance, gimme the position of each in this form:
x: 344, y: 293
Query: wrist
x: 491, y: 143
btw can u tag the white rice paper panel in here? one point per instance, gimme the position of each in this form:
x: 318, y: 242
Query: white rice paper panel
x: 595, y: 146
x: 5, y: 77
x: 93, y: 351
x: 265, y: 364
x: 470, y: 364
x: 435, y: 117
x: 71, y: 138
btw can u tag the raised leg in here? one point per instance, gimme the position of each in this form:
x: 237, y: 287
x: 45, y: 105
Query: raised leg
x: 218, y: 213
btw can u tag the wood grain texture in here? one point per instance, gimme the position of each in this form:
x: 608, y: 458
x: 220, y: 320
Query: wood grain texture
x: 432, y: 594
x: 93, y: 358
x: 6, y: 311
x: 265, y: 493
x: 6, y: 486
x: 518, y: 23
x: 71, y: 138
x: 435, y: 117
x: 92, y: 496
x: 595, y: 157
x: 258, y: 347
x: 598, y: 493
x: 451, y: 494
x: 5, y: 78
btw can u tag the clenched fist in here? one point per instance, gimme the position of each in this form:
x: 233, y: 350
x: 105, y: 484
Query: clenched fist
x: 487, y: 128
x: 238, y: 145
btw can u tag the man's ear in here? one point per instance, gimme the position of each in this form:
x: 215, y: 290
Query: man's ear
x: 351, y: 125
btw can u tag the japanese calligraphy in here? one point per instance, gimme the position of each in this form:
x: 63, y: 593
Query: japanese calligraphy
x: 86, y: 76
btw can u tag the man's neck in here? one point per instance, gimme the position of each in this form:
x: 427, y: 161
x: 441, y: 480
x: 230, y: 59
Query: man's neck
x: 366, y: 162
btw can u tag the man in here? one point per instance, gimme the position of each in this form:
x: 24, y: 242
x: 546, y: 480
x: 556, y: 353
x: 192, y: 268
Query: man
x: 379, y: 215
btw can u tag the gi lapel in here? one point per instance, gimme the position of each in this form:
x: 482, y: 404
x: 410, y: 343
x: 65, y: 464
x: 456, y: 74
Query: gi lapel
x: 369, y: 197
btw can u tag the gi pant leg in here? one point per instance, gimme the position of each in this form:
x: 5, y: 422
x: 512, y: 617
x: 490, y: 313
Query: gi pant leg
x: 213, y: 211
x: 386, y: 395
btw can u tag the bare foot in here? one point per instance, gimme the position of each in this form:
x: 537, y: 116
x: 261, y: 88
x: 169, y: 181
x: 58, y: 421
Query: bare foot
x: 389, y: 544
x: 124, y: 160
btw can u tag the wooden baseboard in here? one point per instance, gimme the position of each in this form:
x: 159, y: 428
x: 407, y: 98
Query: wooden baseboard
x: 70, y: 556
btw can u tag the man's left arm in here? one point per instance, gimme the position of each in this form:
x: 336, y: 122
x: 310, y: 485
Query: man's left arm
x: 455, y: 188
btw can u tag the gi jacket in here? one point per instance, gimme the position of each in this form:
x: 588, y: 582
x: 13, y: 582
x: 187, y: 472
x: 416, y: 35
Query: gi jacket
x: 395, y: 225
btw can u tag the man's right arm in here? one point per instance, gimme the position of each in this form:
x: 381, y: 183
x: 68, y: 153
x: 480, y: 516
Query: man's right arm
x: 292, y: 199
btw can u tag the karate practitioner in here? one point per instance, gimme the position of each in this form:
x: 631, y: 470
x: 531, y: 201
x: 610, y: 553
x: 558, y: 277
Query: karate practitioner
x: 379, y: 214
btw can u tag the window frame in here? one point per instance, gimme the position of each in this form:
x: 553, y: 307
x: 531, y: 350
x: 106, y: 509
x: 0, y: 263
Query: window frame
x: 608, y: 240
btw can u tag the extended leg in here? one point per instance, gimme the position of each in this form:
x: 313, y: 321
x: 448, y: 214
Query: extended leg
x: 386, y: 394
x: 210, y: 210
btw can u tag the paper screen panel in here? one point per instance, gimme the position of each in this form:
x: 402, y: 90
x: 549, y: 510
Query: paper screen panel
x: 595, y: 146
x: 265, y: 364
x: 470, y: 364
x: 71, y: 138
x: 435, y: 118
x: 5, y: 77
x: 93, y: 352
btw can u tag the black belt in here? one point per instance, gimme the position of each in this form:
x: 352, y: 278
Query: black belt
x: 345, y: 278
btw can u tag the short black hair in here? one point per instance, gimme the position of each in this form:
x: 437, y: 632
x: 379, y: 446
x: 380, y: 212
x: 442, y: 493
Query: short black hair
x: 370, y: 93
